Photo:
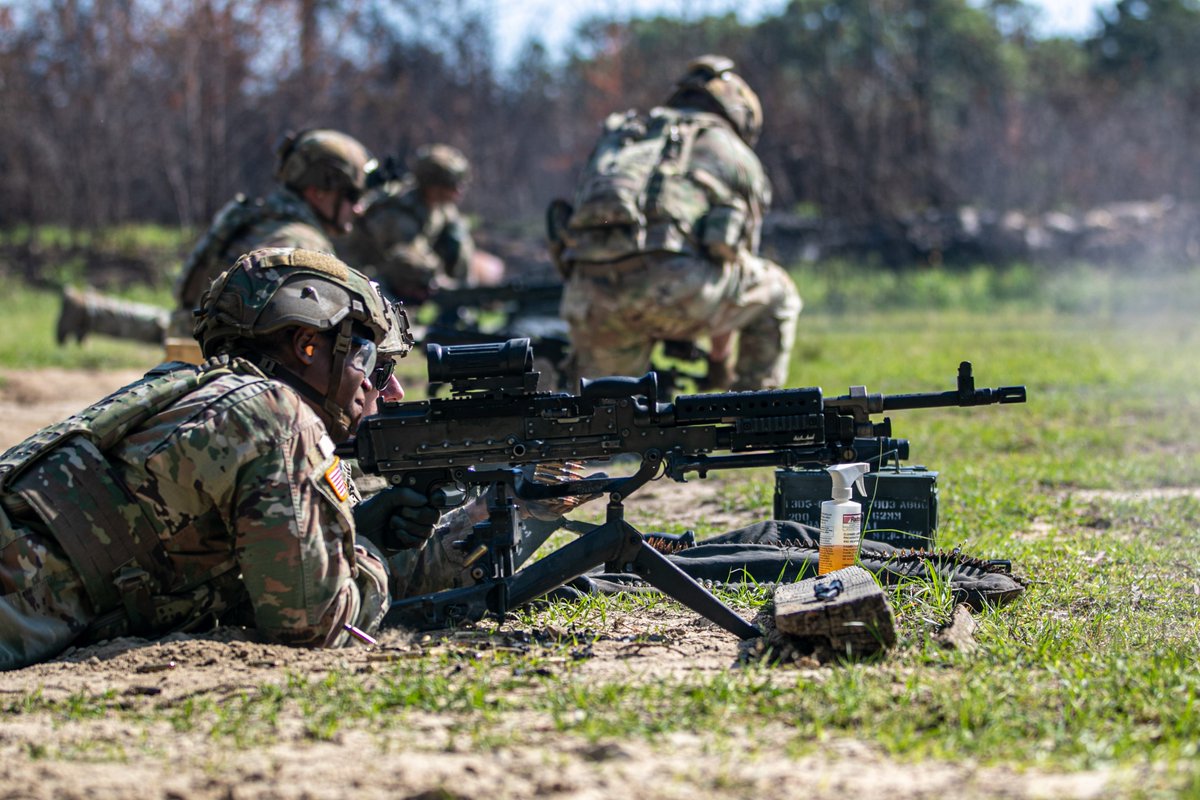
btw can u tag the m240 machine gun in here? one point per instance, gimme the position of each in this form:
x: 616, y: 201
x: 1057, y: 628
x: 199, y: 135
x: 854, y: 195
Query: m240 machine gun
x: 496, y: 421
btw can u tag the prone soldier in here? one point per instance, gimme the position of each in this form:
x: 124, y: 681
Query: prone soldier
x: 210, y: 494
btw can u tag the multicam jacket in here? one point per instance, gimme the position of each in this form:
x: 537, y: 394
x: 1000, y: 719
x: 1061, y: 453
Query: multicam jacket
x: 281, y: 219
x: 248, y: 516
x: 405, y: 244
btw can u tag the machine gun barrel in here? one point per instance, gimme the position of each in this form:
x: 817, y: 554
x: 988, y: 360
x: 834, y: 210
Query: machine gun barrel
x: 964, y: 396
x: 860, y: 405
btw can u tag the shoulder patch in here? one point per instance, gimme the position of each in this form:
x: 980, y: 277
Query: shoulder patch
x: 336, y: 479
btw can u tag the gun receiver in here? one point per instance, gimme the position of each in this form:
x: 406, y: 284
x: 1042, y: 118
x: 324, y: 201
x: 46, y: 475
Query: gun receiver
x: 495, y: 421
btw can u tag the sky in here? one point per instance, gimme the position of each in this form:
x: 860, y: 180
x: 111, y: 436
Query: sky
x: 554, y: 20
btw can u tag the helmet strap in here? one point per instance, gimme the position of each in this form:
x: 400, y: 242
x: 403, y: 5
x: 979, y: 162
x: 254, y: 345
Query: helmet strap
x: 341, y: 351
x: 339, y: 420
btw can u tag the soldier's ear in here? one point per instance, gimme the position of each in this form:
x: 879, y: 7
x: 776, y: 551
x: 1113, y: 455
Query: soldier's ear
x: 304, y: 344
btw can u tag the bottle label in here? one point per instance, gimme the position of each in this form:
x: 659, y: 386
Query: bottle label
x: 834, y: 557
x: 840, y: 535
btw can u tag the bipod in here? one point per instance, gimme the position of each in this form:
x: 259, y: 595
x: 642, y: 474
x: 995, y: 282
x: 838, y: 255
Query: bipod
x: 614, y: 543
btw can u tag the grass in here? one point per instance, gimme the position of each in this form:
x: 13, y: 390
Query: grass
x: 27, y: 339
x: 1094, y: 668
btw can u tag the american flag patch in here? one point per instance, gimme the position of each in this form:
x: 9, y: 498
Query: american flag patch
x: 337, y: 479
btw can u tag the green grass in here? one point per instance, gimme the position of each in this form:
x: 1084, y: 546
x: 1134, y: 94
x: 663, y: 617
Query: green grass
x: 27, y: 337
x: 1094, y: 668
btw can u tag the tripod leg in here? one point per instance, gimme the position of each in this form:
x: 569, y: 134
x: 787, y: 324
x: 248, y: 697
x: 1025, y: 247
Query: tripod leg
x: 569, y: 561
x: 615, y: 541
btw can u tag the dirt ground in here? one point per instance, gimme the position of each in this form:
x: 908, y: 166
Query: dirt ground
x: 48, y: 754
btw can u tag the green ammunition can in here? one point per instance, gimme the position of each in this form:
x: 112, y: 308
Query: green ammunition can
x: 899, y: 505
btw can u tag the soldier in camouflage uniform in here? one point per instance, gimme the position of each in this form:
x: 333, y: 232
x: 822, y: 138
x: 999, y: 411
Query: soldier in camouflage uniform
x: 321, y: 176
x: 663, y: 238
x: 411, y: 236
x: 212, y: 494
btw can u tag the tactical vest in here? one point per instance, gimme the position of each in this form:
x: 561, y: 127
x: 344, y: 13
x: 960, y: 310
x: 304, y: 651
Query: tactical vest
x: 114, y: 545
x: 209, y: 258
x: 640, y: 192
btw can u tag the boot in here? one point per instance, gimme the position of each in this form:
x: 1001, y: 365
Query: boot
x: 86, y: 312
x: 73, y: 318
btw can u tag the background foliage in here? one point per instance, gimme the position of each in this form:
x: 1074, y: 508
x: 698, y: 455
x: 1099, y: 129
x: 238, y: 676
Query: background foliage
x: 117, y: 111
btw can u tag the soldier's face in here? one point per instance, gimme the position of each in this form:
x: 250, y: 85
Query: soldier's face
x: 392, y: 392
x: 437, y: 195
x: 336, y: 208
x: 348, y: 210
x: 350, y: 392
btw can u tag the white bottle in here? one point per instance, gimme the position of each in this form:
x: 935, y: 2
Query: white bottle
x: 841, y: 519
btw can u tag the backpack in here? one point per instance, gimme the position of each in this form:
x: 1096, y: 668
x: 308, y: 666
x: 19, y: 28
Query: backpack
x: 638, y: 192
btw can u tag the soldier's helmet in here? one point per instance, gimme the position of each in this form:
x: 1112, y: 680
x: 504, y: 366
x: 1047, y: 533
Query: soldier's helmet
x: 441, y: 165
x: 273, y: 288
x: 713, y: 76
x: 323, y: 159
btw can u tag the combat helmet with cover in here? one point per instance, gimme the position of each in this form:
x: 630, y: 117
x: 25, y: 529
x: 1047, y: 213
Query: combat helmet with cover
x: 399, y: 340
x: 269, y: 290
x: 713, y: 77
x: 323, y: 159
x: 441, y: 165
x: 320, y: 158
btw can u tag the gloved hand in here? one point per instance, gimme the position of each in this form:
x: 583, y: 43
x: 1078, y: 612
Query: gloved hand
x: 551, y: 509
x: 396, y: 519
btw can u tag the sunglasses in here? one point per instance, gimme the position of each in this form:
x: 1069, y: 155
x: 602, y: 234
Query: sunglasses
x: 364, y: 357
x: 382, y: 374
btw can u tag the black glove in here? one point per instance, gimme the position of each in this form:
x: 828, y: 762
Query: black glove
x: 396, y: 519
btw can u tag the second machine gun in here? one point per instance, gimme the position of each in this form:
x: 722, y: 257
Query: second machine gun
x: 496, y: 421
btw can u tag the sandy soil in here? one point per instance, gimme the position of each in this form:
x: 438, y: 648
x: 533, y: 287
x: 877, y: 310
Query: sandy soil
x: 31, y: 400
x: 132, y: 751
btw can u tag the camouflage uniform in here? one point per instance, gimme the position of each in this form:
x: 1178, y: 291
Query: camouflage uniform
x: 407, y: 243
x: 232, y: 480
x: 281, y: 219
x: 202, y: 494
x: 87, y: 311
x: 688, y: 265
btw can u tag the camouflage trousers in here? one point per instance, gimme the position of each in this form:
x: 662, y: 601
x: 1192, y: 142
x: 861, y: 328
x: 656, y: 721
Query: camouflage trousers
x: 617, y: 312
x: 43, y: 605
x: 88, y: 311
